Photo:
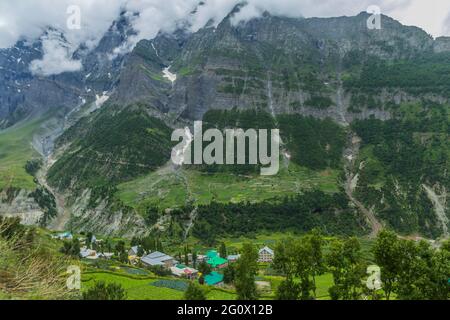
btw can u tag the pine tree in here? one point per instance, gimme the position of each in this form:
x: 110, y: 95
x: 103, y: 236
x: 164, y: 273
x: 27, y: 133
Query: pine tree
x: 246, y: 270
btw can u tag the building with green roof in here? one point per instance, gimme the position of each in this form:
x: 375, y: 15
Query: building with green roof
x: 211, y: 254
x: 215, y: 261
x: 214, y: 278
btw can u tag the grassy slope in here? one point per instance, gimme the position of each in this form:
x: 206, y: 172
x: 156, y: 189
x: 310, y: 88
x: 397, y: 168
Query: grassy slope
x: 15, y: 151
x: 167, y: 189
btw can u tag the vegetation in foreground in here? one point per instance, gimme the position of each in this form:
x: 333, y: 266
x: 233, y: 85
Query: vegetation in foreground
x: 28, y: 268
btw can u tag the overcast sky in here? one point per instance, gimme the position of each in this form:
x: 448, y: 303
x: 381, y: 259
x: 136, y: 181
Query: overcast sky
x: 27, y: 19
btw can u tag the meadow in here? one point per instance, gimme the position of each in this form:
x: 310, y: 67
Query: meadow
x: 147, y: 288
x: 16, y: 149
x: 169, y: 188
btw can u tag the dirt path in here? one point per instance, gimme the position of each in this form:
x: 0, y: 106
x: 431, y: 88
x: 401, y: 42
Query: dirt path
x: 351, y: 178
x: 63, y: 217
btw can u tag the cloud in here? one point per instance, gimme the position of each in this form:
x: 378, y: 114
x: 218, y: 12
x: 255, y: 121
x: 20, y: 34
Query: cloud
x: 148, y: 17
x: 30, y: 19
x: 57, y: 57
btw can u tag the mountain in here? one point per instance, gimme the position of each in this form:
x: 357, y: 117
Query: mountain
x: 26, y: 94
x: 363, y: 116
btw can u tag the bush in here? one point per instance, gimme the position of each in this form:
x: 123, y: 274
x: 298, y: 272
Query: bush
x: 103, y: 291
x: 194, y: 292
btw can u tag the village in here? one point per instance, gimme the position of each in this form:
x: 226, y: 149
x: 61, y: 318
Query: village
x: 207, y: 268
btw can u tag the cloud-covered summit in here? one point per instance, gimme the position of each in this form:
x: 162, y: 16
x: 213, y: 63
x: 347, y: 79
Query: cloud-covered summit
x: 30, y: 20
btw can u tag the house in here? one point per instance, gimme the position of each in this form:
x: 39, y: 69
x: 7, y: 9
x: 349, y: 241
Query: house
x: 133, y: 251
x: 158, y: 259
x: 266, y: 255
x: 211, y: 254
x: 106, y: 255
x: 182, y: 271
x: 215, y: 261
x: 233, y: 257
x: 214, y: 279
x: 63, y: 236
x: 86, y: 253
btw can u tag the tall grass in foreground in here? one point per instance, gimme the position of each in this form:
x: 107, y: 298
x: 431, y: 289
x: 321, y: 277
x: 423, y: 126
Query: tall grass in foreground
x: 27, y: 270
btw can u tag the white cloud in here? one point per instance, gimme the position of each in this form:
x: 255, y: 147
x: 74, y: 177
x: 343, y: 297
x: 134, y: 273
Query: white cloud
x: 57, y: 57
x: 155, y: 15
x: 29, y: 19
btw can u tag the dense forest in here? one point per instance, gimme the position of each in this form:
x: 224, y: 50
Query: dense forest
x: 299, y: 214
x: 423, y: 74
x: 312, y: 143
x: 121, y: 146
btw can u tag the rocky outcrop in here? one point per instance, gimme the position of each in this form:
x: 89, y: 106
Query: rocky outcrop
x: 19, y: 204
x: 104, y: 218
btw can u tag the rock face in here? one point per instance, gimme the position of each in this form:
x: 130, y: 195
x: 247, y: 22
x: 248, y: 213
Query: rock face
x: 102, y: 218
x: 23, y: 94
x: 217, y: 68
x: 19, y: 204
x: 298, y: 59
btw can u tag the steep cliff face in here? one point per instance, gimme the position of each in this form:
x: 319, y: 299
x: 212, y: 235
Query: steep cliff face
x: 33, y: 208
x: 101, y: 216
x: 294, y: 65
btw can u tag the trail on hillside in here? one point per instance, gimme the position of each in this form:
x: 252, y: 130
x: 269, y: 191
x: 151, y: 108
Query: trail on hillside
x: 351, y: 180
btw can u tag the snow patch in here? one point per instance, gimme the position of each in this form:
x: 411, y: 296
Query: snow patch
x: 169, y: 75
x: 100, y: 100
x: 179, y: 152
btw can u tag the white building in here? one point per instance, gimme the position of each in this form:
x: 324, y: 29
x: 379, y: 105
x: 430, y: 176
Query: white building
x: 266, y: 255
x: 158, y: 259
x: 86, y: 253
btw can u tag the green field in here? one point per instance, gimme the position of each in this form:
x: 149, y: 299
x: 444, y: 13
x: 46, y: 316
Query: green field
x: 141, y: 288
x: 15, y: 151
x: 169, y: 188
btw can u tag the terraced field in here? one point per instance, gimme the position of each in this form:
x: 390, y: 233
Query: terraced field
x: 171, y: 187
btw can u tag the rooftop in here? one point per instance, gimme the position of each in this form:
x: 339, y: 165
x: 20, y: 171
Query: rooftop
x: 267, y: 249
x: 156, y: 258
x: 213, y: 278
x: 216, y: 261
